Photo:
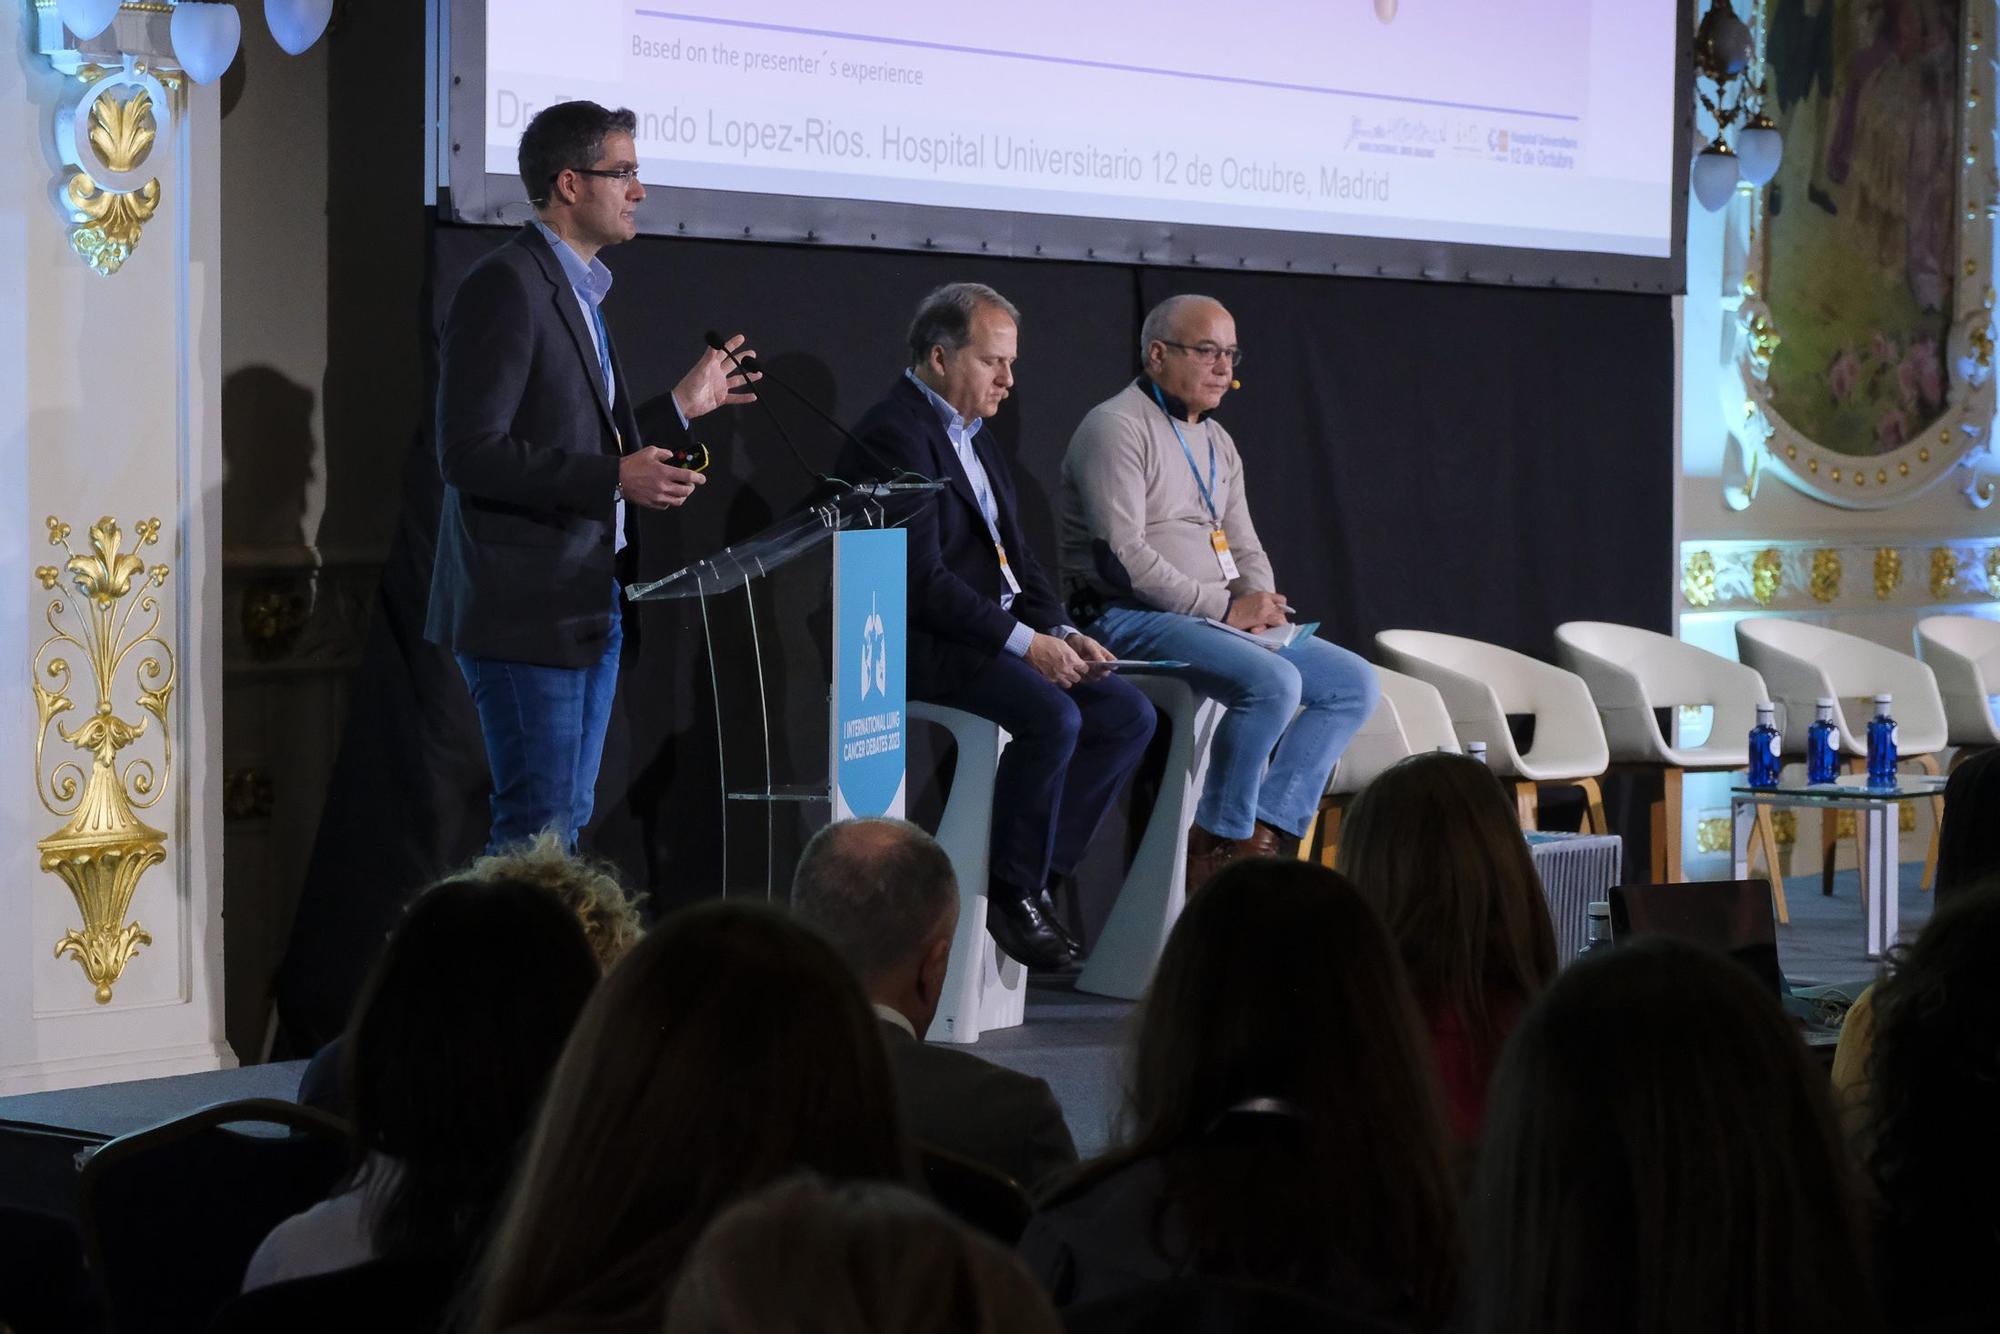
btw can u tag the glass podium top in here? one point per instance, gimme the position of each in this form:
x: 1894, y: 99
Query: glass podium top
x: 870, y: 505
x: 1846, y: 789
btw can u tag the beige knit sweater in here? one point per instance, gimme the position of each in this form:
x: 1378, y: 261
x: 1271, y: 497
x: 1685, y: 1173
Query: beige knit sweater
x: 1130, y: 502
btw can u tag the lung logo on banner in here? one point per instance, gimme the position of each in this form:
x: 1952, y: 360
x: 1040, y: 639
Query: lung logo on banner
x: 868, y: 684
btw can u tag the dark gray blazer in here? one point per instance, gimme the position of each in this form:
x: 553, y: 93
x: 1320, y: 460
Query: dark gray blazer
x: 994, y: 1116
x: 528, y: 446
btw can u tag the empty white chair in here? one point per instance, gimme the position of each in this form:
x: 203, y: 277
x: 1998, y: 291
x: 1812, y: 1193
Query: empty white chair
x: 1963, y: 652
x: 1155, y: 889
x: 1802, y: 662
x: 1410, y: 718
x: 1633, y: 672
x: 1482, y: 683
x: 983, y: 987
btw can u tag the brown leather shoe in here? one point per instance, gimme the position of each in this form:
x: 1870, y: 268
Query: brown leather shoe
x: 1282, y: 844
x: 1206, y: 854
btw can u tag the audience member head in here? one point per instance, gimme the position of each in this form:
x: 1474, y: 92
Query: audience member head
x: 882, y: 893
x: 1280, y: 1071
x: 607, y: 911
x: 1660, y: 1156
x: 1969, y: 838
x: 452, y: 1043
x: 805, y: 1258
x: 1436, y: 848
x: 1934, y: 1089
x: 729, y: 1049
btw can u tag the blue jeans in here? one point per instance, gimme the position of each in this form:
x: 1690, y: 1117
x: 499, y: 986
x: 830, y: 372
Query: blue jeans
x: 1265, y: 763
x: 544, y: 731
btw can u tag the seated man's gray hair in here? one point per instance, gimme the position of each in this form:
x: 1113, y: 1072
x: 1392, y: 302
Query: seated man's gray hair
x: 944, y: 318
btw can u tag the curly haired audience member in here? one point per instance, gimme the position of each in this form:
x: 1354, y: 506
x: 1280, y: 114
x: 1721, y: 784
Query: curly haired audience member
x: 450, y: 1048
x: 863, y: 1258
x: 729, y: 1049
x: 1283, y: 1123
x: 1934, y: 1100
x: 1661, y: 1157
x: 1436, y: 848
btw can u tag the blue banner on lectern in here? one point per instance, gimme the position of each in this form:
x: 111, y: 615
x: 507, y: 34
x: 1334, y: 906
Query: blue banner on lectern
x: 870, y: 638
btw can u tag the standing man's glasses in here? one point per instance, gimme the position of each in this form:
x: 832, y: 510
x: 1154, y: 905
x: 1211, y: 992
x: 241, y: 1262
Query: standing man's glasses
x: 620, y: 174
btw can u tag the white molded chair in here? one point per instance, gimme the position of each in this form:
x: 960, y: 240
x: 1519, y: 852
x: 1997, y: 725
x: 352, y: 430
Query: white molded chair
x: 1800, y: 662
x: 1963, y: 652
x: 983, y: 987
x: 1633, y: 672
x: 1155, y: 889
x: 1482, y: 683
x: 1409, y: 719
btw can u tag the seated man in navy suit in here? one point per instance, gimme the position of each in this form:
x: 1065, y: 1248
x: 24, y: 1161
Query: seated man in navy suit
x: 987, y: 632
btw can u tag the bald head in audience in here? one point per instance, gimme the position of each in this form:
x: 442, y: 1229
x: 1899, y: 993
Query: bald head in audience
x: 882, y: 891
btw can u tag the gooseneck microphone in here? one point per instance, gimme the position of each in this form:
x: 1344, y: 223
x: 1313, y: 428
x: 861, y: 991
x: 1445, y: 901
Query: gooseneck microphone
x: 890, y: 471
x: 744, y: 367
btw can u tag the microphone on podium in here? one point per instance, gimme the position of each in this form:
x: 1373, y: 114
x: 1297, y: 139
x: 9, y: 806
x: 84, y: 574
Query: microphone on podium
x: 751, y: 364
x: 746, y: 367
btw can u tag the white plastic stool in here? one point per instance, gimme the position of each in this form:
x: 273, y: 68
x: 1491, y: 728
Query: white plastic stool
x: 983, y: 987
x: 1150, y: 900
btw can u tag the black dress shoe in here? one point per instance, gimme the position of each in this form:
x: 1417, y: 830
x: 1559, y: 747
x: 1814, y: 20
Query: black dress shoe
x: 1046, y: 901
x: 1016, y: 922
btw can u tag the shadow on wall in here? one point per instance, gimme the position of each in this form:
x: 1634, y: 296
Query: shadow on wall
x: 268, y: 452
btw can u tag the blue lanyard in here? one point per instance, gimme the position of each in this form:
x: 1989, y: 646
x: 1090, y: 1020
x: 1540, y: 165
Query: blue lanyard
x: 1207, y: 489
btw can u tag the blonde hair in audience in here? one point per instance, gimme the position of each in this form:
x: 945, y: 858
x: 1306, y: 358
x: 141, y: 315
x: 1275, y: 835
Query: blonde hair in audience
x: 590, y: 888
x: 863, y: 1258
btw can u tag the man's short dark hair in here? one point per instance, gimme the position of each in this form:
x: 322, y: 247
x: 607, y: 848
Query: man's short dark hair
x: 566, y: 135
x: 944, y: 317
x: 875, y: 888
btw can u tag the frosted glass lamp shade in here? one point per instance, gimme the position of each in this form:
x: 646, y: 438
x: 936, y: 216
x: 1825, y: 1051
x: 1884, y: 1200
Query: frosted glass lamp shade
x: 87, y: 18
x: 205, y: 35
x: 1715, y: 176
x: 1759, y: 150
x: 297, y: 24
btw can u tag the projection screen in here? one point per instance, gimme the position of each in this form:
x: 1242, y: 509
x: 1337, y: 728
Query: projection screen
x: 1482, y: 140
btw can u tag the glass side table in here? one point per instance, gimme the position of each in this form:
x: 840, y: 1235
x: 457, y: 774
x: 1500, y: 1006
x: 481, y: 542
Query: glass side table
x: 1879, y: 809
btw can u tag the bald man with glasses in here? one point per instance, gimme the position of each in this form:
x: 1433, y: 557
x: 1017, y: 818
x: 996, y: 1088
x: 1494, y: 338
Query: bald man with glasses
x: 1158, y: 546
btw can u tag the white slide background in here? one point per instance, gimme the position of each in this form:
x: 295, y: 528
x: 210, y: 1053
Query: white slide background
x: 1545, y: 124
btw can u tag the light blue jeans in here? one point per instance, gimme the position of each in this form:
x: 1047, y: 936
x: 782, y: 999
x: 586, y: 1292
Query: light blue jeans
x: 1265, y: 763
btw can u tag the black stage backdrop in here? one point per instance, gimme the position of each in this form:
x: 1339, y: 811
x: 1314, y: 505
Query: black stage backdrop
x: 1477, y: 460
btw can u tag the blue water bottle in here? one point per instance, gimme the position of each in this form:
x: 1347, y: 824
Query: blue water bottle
x: 1764, y: 748
x: 1881, y: 745
x: 1822, y: 744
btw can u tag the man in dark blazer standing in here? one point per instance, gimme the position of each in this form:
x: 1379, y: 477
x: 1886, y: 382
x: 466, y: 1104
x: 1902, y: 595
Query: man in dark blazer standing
x: 882, y: 893
x: 541, y: 458
x: 987, y: 633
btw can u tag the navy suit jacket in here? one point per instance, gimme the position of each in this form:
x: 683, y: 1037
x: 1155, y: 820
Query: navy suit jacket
x: 957, y: 625
x: 528, y: 446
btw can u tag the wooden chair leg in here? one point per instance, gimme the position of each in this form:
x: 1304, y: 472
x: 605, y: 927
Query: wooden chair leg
x: 1929, y: 764
x: 1528, y: 804
x: 1767, y: 835
x: 1656, y: 820
x: 1327, y: 828
x: 1670, y: 801
x: 1593, y: 796
x: 1829, y: 844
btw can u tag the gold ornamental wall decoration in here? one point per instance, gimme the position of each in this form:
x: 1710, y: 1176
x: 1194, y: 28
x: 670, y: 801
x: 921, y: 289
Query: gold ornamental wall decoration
x: 1888, y: 572
x: 1825, y: 584
x: 103, y: 848
x: 110, y: 137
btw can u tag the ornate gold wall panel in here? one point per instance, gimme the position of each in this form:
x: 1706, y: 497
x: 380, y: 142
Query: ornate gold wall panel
x: 103, y: 848
x: 1753, y: 576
